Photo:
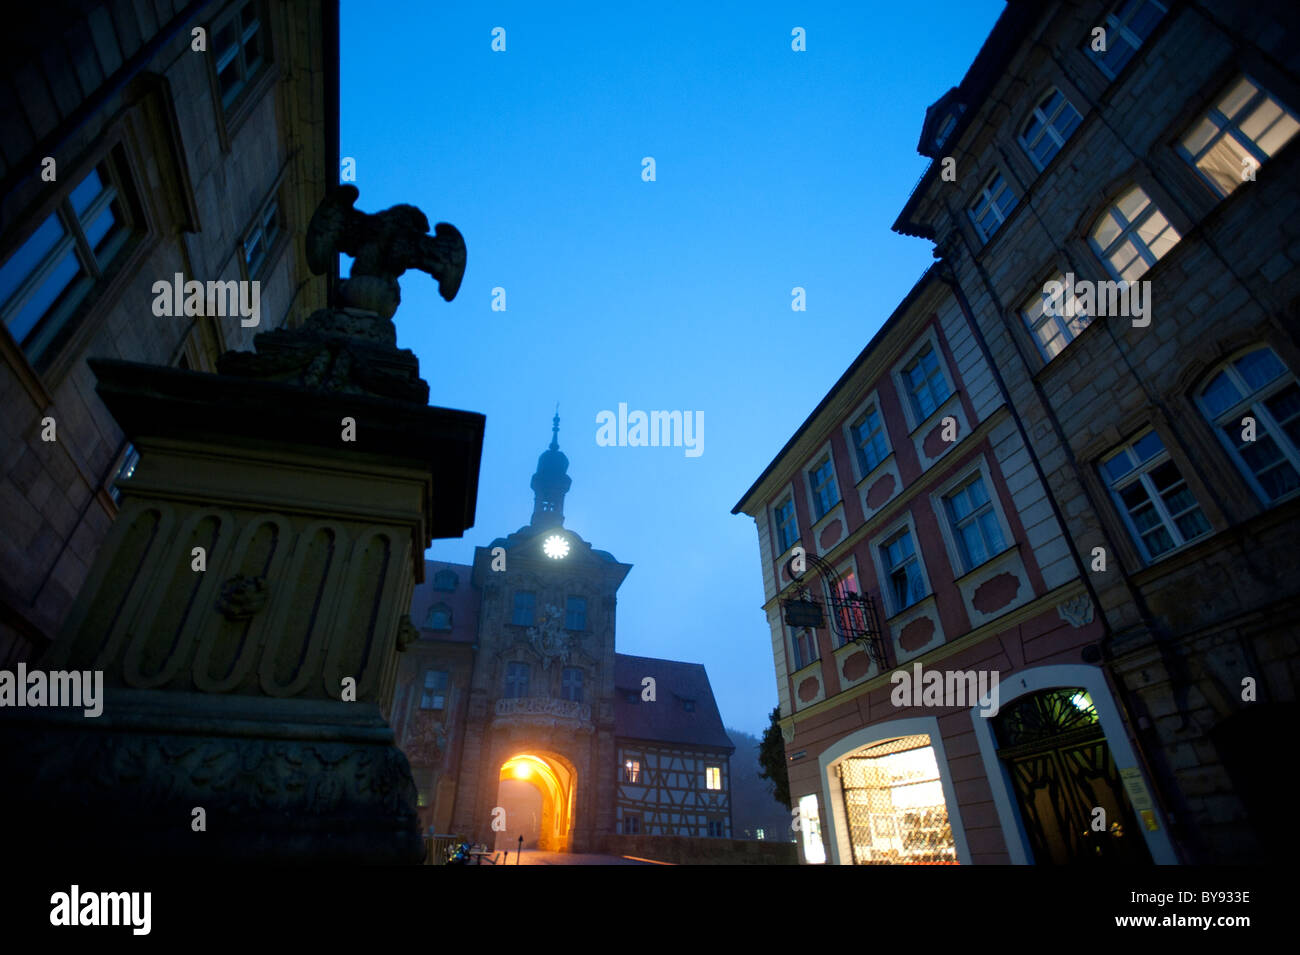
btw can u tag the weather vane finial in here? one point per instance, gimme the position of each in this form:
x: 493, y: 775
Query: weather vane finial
x: 555, y: 429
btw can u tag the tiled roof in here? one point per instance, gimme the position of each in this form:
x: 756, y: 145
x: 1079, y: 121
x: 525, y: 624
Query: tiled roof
x: 668, y: 719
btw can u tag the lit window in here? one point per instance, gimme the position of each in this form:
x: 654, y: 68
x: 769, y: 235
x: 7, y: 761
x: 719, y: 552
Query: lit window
x: 805, y: 647
x: 926, y: 384
x: 571, y: 684
x: 1132, y: 235
x: 759, y: 834
x: 852, y: 615
x: 1257, y: 385
x: 632, y: 770
x: 1157, y: 505
x: 906, y: 584
x: 516, y: 680
x: 869, y: 440
x: 434, y: 696
x: 825, y: 494
x: 1054, y: 321
x: 786, y: 529
x: 1051, y: 124
x: 897, y: 813
x: 974, y: 522
x: 1127, y: 27
x: 810, y: 824
x: 575, y: 613
x: 54, y: 271
x: 991, y: 207
x: 238, y: 43
x: 713, y: 777
x: 260, y: 240
x: 525, y: 604
x: 439, y: 617
x: 1244, y: 128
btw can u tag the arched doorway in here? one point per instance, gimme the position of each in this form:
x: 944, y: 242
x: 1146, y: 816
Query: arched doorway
x: 535, y: 796
x: 1055, y: 751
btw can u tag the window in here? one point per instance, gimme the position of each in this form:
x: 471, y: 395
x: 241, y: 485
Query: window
x: 869, y: 441
x: 991, y: 207
x: 902, y: 570
x: 1054, y: 321
x: 945, y: 130
x: 516, y: 680
x: 632, y: 770
x: 54, y: 271
x: 1259, y: 386
x: 787, y: 531
x: 852, y: 617
x: 805, y: 648
x: 239, y: 44
x: 811, y: 824
x: 1126, y: 26
x: 259, y: 243
x: 525, y: 603
x: 713, y: 777
x: 434, y: 696
x: 130, y: 458
x: 631, y: 824
x: 925, y: 383
x: 445, y: 580
x: 974, y: 522
x: 1132, y: 235
x: 715, y: 828
x: 439, y: 617
x: 1051, y: 124
x: 1244, y: 128
x: 822, y: 480
x: 1156, y: 503
x: 575, y: 613
x: 571, y: 684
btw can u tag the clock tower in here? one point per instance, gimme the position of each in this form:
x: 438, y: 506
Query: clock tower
x: 539, y: 752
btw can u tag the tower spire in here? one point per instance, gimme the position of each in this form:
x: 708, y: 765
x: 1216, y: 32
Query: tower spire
x: 551, y: 481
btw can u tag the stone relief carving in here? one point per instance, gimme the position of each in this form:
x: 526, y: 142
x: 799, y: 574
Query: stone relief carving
x: 1077, y: 611
x: 406, y: 633
x: 548, y: 638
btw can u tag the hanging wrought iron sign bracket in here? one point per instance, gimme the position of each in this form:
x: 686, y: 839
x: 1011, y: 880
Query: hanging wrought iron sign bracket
x: 853, y: 615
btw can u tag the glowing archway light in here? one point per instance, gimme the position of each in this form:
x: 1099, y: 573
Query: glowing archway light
x: 555, y: 547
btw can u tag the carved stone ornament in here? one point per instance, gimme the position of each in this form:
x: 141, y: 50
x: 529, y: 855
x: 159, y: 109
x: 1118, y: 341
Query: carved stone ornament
x: 787, y: 733
x: 351, y: 347
x: 1077, y: 611
x: 406, y: 633
x: 548, y: 638
x: 242, y: 597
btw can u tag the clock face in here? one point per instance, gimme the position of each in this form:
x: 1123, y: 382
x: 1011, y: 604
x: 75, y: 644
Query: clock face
x: 555, y: 547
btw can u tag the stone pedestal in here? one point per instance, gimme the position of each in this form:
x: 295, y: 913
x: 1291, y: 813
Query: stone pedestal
x: 227, y: 687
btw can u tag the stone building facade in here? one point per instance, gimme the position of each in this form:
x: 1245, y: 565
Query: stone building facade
x: 131, y: 156
x: 515, y: 711
x: 1170, y: 438
x: 1113, y: 205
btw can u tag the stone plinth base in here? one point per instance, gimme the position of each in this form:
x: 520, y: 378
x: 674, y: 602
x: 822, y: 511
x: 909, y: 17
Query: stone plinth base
x: 280, y: 781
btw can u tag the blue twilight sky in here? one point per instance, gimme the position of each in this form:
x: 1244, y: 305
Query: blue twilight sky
x: 774, y: 169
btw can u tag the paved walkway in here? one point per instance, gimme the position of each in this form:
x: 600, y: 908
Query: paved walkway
x: 537, y: 857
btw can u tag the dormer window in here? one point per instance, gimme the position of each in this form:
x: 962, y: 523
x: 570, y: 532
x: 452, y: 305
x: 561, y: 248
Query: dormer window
x: 945, y: 130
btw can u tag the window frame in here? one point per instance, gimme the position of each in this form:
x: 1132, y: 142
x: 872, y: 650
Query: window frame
x: 1048, y: 127
x: 778, y: 526
x: 1129, y: 229
x: 1140, y: 472
x: 431, y: 695
x: 1063, y: 324
x: 1113, y: 23
x: 439, y: 606
x: 631, y: 771
x: 515, y: 608
x: 713, y: 774
x: 273, y: 246
x: 1252, y: 402
x: 825, y: 460
x: 58, y: 333
x: 879, y: 547
x: 963, y: 563
x: 809, y: 636
x: 1230, y: 128
x: 909, y: 401
x: 569, y: 615
x: 253, y: 87
x: 862, y: 412
x: 986, y: 197
x: 513, y: 669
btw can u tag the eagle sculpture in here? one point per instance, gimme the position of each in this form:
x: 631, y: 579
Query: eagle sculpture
x: 383, y: 245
